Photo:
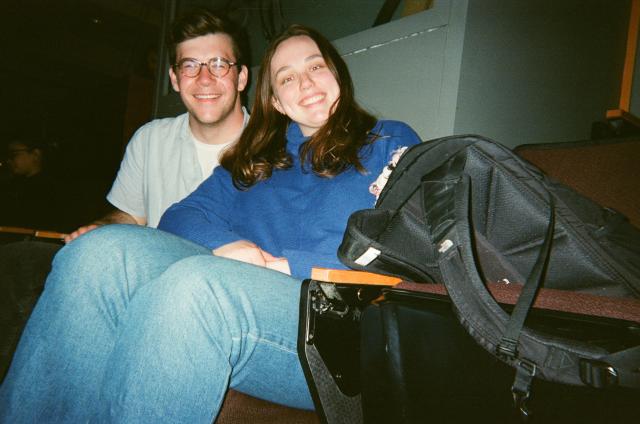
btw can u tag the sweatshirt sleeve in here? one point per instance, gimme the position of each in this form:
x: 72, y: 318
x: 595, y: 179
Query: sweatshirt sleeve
x: 203, y: 216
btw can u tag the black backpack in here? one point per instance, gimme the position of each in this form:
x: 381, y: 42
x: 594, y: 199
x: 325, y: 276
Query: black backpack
x: 466, y: 211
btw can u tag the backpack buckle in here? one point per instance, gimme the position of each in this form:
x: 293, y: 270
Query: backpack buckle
x: 598, y: 374
x: 521, y: 388
x: 507, y: 349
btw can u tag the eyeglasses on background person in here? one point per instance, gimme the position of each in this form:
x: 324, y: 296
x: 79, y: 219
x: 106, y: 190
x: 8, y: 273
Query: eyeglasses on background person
x: 11, y: 153
x: 217, y: 67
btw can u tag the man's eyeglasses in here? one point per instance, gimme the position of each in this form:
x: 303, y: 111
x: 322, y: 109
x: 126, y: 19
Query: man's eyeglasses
x: 217, y: 66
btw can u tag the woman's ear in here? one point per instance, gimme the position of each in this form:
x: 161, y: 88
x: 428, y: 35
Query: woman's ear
x: 276, y: 103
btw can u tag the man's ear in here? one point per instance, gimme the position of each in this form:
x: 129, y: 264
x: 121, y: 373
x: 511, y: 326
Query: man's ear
x: 174, y: 80
x: 243, y: 78
x: 276, y: 103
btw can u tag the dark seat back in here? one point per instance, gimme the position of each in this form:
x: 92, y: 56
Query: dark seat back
x: 603, y: 170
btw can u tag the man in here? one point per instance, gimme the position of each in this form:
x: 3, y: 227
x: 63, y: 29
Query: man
x: 168, y: 158
x: 28, y: 189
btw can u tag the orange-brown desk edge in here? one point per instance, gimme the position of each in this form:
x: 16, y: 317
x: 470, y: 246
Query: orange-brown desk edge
x: 344, y: 276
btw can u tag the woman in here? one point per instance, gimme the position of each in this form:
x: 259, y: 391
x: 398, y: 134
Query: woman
x: 140, y: 325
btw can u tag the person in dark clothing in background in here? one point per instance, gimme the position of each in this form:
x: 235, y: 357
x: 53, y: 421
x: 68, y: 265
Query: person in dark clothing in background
x: 30, y: 196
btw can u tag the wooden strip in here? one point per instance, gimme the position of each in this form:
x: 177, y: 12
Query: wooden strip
x: 415, y: 6
x: 32, y: 232
x: 344, y: 276
x: 49, y: 234
x: 630, y: 56
x: 621, y: 114
x: 16, y: 230
x: 580, y: 303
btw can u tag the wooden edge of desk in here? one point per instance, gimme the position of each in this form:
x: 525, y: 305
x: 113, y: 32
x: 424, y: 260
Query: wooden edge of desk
x: 344, y: 276
x: 624, y: 115
x: 32, y: 232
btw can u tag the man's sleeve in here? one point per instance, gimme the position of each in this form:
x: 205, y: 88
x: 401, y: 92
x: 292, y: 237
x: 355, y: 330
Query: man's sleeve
x: 127, y: 192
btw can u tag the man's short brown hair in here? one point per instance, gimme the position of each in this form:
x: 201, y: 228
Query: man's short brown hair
x: 201, y: 21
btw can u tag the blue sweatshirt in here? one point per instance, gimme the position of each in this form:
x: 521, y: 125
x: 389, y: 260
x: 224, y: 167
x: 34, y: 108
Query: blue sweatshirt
x: 295, y: 213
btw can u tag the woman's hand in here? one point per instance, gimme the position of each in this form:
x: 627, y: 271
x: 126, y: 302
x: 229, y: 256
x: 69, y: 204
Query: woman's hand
x: 249, y: 252
x: 280, y: 265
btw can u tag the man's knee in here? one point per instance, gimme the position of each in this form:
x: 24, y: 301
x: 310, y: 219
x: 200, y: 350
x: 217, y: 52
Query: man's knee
x: 82, y: 262
x: 100, y: 244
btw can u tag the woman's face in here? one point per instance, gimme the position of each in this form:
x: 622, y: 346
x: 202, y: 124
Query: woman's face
x: 304, y: 88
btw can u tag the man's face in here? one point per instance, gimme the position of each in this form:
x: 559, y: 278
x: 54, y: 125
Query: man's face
x: 209, y: 100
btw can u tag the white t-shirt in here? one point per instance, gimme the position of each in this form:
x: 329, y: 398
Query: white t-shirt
x: 160, y: 167
x: 208, y: 155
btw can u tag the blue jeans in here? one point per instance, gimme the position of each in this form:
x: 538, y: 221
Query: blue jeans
x: 138, y: 325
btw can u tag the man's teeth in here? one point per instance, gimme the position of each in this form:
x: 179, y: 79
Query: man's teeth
x: 207, y: 96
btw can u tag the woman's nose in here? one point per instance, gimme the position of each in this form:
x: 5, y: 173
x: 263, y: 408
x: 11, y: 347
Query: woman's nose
x: 305, y: 81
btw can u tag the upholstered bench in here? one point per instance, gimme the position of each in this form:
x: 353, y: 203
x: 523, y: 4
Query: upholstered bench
x: 603, y: 170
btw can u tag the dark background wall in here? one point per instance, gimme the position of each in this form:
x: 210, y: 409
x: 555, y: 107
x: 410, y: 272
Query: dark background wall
x: 69, y: 70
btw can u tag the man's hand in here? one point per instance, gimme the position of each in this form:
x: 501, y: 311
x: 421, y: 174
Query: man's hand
x: 80, y: 231
x: 249, y: 252
x: 115, y: 217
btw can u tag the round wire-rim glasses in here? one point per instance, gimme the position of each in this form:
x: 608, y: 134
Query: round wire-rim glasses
x: 217, y: 67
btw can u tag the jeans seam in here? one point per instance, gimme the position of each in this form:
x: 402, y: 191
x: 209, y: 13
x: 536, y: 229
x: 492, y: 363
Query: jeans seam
x: 267, y: 341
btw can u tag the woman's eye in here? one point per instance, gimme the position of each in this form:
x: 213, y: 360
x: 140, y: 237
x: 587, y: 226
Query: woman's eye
x: 286, y: 79
x: 316, y: 67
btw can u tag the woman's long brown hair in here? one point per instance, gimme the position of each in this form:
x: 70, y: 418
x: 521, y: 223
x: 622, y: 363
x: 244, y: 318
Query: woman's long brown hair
x: 334, y: 148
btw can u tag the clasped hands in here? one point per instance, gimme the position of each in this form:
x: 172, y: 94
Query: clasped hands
x: 249, y: 252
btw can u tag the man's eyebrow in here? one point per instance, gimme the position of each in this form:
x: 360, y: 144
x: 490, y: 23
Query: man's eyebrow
x: 307, y: 59
x: 206, y: 60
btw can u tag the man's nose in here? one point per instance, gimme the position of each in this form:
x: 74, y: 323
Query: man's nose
x: 204, y: 77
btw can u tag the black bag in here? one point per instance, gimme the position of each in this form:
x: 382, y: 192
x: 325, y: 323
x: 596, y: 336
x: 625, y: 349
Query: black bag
x: 594, y: 249
x: 465, y: 211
